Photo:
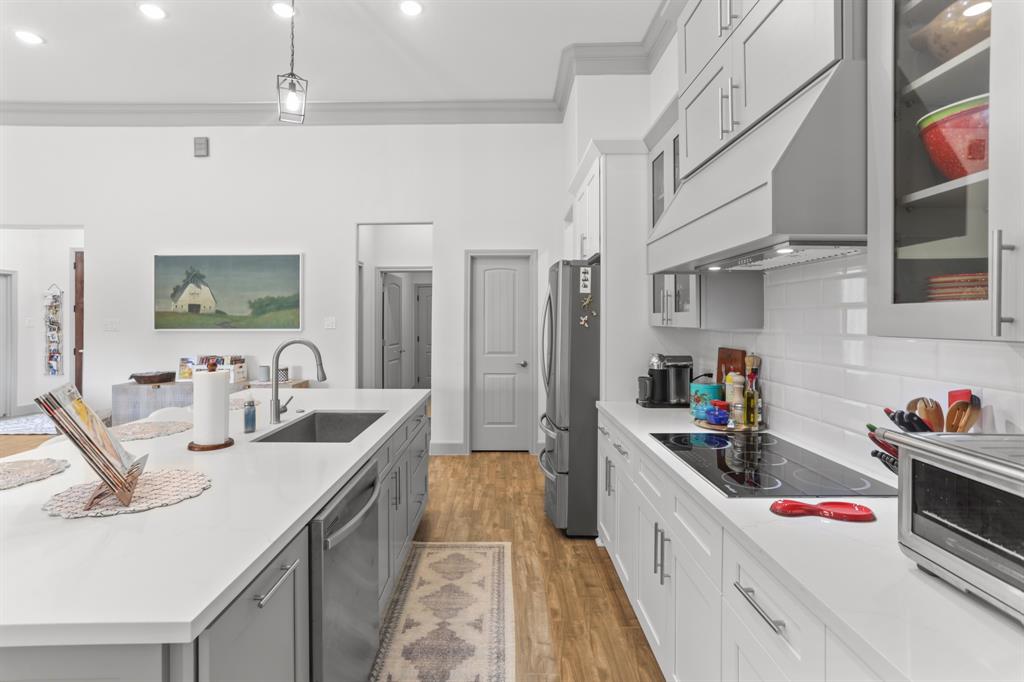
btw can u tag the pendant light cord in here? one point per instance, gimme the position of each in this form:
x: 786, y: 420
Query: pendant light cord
x: 292, y: 69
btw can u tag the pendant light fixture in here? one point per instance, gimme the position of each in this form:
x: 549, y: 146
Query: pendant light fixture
x: 291, y: 89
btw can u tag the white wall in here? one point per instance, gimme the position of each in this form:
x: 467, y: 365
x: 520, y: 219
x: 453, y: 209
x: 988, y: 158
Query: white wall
x: 824, y: 378
x: 664, y: 80
x: 139, y: 191
x: 40, y: 257
x: 603, y: 108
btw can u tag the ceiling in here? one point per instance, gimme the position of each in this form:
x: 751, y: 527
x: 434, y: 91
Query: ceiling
x: 210, y: 52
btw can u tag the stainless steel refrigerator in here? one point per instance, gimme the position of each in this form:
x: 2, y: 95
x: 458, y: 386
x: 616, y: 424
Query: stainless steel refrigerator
x: 570, y: 348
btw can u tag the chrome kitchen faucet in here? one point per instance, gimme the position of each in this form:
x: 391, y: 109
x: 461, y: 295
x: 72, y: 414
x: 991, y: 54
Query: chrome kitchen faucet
x: 276, y: 408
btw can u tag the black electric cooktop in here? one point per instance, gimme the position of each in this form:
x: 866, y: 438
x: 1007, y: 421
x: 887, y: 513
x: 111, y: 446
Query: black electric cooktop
x: 764, y: 465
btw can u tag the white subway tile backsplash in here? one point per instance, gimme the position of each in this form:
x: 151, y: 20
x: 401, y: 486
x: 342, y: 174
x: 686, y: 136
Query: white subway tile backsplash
x: 824, y: 377
x: 803, y: 294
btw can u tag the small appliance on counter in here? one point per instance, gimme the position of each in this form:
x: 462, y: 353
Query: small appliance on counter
x: 667, y: 383
x: 961, y: 511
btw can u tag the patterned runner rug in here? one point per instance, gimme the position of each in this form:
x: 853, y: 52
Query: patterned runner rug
x: 452, y: 618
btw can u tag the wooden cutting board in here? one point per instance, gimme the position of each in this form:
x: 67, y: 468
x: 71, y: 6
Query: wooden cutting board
x: 732, y: 360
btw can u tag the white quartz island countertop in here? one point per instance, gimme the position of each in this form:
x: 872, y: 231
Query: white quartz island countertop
x: 163, y: 575
x: 904, y: 623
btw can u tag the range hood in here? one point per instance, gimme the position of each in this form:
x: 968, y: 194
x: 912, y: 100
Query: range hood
x: 797, y: 180
x: 790, y: 252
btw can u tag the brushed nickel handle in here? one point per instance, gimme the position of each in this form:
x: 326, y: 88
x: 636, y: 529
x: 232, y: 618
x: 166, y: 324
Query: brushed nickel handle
x: 732, y: 114
x: 264, y: 599
x: 337, y: 536
x: 607, y: 464
x: 748, y: 594
x: 583, y: 240
x: 656, y: 547
x: 602, y: 429
x: 609, y: 477
x: 720, y: 26
x: 996, y: 282
x: 522, y: 363
x: 664, y: 539
x: 622, y: 451
x: 721, y: 119
x: 729, y: 14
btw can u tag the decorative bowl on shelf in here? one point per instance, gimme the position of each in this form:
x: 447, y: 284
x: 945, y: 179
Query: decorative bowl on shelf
x: 153, y: 377
x: 956, y: 137
x: 957, y: 28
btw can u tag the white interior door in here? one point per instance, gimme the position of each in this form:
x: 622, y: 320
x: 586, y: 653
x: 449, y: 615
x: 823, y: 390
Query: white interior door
x: 392, y: 331
x: 501, y: 328
x: 8, y: 335
x: 424, y: 321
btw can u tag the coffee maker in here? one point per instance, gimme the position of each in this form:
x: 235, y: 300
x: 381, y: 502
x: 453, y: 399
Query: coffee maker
x: 667, y: 383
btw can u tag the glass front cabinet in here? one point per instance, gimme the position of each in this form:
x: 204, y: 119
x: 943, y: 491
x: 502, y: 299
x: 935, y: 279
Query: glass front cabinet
x: 674, y: 300
x: 946, y: 187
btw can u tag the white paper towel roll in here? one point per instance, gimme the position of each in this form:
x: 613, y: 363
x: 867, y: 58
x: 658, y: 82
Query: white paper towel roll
x: 210, y: 407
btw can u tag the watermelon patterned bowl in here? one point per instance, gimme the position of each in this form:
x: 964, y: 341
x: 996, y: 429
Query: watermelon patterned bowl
x: 956, y: 137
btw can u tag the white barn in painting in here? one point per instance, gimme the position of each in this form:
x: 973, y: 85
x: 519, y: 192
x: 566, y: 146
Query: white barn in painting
x: 194, y: 298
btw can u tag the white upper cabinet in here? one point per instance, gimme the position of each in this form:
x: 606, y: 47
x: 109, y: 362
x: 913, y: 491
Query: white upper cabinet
x: 703, y: 124
x: 586, y: 214
x: 703, y: 28
x: 946, y: 246
x: 780, y: 47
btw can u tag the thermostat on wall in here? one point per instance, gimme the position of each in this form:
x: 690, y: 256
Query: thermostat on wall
x: 201, y: 146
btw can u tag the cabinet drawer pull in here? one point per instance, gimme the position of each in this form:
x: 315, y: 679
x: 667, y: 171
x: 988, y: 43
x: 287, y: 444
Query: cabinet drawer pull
x: 262, y: 600
x: 611, y: 475
x: 656, y: 531
x: 663, y: 574
x: 748, y: 594
x: 622, y: 451
x: 602, y: 430
x: 996, y: 282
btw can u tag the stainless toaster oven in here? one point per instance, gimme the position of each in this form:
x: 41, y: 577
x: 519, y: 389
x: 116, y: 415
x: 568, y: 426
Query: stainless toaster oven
x: 961, y: 511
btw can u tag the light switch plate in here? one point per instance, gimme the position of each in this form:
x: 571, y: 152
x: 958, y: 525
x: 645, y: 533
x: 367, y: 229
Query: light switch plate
x: 201, y: 146
x: 330, y: 323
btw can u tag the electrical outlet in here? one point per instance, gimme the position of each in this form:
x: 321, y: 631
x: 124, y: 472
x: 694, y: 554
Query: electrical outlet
x: 330, y: 323
x: 200, y: 146
x: 111, y: 324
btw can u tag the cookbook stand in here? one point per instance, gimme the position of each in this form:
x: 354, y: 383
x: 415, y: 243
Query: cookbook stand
x: 122, y: 489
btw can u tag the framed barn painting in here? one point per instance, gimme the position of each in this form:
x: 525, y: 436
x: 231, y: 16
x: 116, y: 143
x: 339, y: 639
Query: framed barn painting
x: 217, y: 293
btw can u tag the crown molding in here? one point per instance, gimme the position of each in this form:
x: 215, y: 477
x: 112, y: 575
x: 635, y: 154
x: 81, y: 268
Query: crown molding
x: 265, y: 113
x: 584, y: 59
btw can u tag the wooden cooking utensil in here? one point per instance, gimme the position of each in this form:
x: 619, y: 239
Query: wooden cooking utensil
x: 729, y: 360
x: 971, y: 417
x: 956, y: 415
x: 929, y: 410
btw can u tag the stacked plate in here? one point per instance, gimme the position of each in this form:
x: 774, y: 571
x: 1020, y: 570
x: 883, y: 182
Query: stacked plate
x: 966, y: 286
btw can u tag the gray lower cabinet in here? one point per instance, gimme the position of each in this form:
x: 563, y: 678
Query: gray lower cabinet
x: 402, y: 502
x: 264, y: 634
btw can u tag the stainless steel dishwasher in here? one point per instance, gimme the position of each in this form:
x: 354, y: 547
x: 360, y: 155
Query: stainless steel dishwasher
x: 343, y: 581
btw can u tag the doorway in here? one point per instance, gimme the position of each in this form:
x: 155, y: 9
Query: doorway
x: 79, y: 312
x: 502, y: 345
x: 8, y: 342
x: 394, y: 271
x: 424, y: 333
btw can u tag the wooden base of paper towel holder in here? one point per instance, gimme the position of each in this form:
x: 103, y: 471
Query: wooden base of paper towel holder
x: 196, y: 447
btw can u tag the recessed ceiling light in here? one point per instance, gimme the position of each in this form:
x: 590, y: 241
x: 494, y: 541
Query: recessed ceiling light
x: 283, y: 10
x: 980, y: 8
x: 152, y: 11
x: 28, y: 37
x: 715, y: 268
x: 784, y: 250
x: 411, y: 8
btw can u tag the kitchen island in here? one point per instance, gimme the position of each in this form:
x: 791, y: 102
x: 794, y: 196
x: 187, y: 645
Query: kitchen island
x: 737, y: 592
x: 127, y: 596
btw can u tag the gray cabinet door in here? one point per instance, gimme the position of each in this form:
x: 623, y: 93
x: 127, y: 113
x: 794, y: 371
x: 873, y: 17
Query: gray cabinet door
x: 399, y: 513
x: 385, y: 510
x: 782, y: 47
x: 264, y: 634
x: 703, y: 128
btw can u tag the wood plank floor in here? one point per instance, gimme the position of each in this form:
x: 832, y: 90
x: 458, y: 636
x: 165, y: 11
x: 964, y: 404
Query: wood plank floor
x: 573, y: 620
x: 12, y: 445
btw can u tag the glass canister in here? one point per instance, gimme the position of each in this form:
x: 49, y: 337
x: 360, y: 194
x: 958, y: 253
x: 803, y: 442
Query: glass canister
x: 250, y: 416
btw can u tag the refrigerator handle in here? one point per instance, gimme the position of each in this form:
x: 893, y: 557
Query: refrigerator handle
x: 547, y: 339
x: 547, y: 427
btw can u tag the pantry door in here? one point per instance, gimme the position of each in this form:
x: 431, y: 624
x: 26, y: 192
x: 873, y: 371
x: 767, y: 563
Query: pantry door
x: 503, y: 387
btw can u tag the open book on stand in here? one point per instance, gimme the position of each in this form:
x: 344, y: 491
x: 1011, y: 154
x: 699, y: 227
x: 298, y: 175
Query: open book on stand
x: 118, y: 470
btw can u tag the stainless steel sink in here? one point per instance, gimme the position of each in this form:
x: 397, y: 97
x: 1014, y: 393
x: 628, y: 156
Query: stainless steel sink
x: 323, y: 427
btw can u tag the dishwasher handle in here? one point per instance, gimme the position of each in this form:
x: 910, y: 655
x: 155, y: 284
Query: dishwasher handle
x: 335, y: 538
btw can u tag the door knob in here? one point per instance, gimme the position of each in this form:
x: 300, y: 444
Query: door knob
x: 522, y: 363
